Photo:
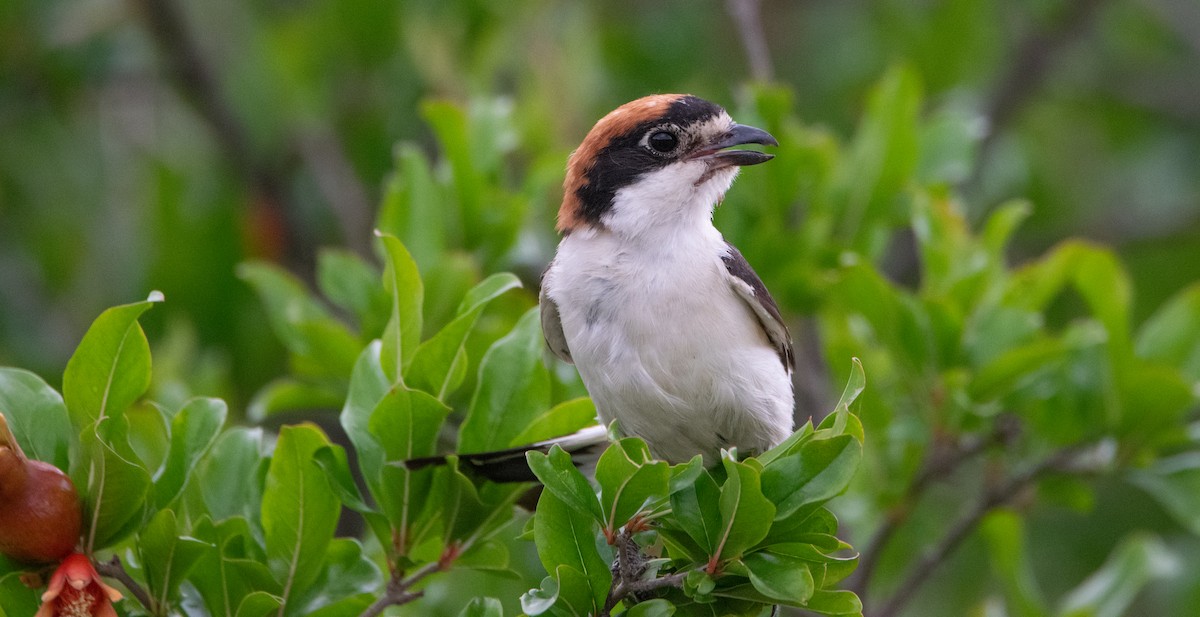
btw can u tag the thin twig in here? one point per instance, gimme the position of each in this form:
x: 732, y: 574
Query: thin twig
x: 398, y: 589
x: 938, y: 466
x: 920, y: 572
x: 747, y: 14
x: 114, y: 569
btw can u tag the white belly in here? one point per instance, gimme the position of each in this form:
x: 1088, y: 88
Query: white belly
x: 669, y: 350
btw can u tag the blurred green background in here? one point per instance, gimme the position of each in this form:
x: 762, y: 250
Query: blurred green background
x: 156, y: 144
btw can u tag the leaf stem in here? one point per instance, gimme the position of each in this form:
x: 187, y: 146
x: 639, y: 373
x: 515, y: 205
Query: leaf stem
x: 114, y: 569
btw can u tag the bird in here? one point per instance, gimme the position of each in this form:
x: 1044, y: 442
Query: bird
x: 674, y: 335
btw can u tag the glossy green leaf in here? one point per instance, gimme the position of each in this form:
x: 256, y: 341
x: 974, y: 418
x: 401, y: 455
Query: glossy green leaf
x: 695, y: 504
x: 345, y: 586
x: 226, y: 476
x: 437, y: 366
x: 540, y: 599
x: 651, y: 608
x: 299, y: 511
x: 113, y: 490
x: 746, y: 514
x: 821, y: 470
x: 628, y: 478
x: 564, y: 537
x: 514, y: 388
x: 110, y: 368
x: 559, y: 475
x: 333, y: 461
x: 781, y: 577
x: 402, y: 281
x: 37, y: 416
x: 167, y: 556
x: 231, y: 567
x: 830, y: 602
x: 193, y: 430
x: 368, y: 385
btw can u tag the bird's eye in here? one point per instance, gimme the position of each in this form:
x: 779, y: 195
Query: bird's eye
x: 663, y: 141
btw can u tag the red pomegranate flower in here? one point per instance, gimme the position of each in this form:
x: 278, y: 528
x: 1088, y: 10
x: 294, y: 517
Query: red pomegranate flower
x: 77, y: 591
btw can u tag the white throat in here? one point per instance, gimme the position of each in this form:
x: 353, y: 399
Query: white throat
x: 668, y: 202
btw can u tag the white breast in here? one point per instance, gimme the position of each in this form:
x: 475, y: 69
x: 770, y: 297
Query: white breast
x: 664, y: 344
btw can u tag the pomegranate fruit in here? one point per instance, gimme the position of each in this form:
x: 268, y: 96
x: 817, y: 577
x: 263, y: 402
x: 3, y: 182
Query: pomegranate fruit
x: 40, y: 514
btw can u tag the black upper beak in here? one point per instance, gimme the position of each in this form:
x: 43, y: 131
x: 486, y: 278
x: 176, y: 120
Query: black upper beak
x: 737, y: 136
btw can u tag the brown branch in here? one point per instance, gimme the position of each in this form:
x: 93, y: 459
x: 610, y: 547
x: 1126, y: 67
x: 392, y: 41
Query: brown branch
x: 114, y: 569
x: 747, y: 14
x: 628, y: 568
x: 936, y: 467
x: 399, y: 589
x: 920, y: 572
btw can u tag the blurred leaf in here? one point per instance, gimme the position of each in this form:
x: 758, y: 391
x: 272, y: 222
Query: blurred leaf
x: 1174, y: 481
x: 285, y: 395
x: 1004, y: 532
x: 18, y: 599
x: 299, y: 511
x: 651, y: 608
x: 483, y: 607
x: 258, y: 604
x: 351, y: 283
x: 1109, y: 591
x: 1172, y: 334
x: 193, y: 430
x: 37, y: 416
x: 167, y: 556
x: 402, y: 281
x: 110, y: 368
x: 562, y: 419
x: 514, y: 389
x: 413, y: 208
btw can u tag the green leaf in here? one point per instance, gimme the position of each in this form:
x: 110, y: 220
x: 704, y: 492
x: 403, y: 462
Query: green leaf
x: 628, y: 478
x: 402, y: 281
x: 1174, y: 481
x: 353, y: 284
x: 1109, y: 591
x: 695, y: 502
x: 841, y: 421
x: 1172, y: 334
x: 407, y: 423
x: 828, y: 602
x: 413, y: 207
x: 438, y: 365
x: 111, y: 367
x: 483, y: 607
x: 559, y: 475
x: 167, y: 556
x: 231, y: 567
x: 562, y: 419
x: 781, y: 577
x: 368, y: 385
x: 514, y: 388
x: 564, y: 537
x: 37, y: 416
x: 651, y: 608
x: 333, y: 461
x: 114, y: 490
x: 18, y: 599
x: 821, y: 470
x: 540, y: 599
x: 193, y: 429
x: 299, y: 510
x: 258, y: 604
x: 285, y: 394
x: 746, y: 514
x: 226, y: 475
x: 1004, y: 532
x: 346, y: 585
x: 325, y: 346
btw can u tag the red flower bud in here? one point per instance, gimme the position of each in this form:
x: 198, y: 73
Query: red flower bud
x: 77, y: 591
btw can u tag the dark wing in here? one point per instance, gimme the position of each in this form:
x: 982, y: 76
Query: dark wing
x: 552, y: 327
x: 747, y: 285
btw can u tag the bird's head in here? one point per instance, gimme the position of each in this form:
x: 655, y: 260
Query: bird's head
x: 655, y: 161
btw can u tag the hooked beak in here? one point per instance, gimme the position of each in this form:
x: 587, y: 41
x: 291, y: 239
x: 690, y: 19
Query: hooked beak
x: 718, y: 157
